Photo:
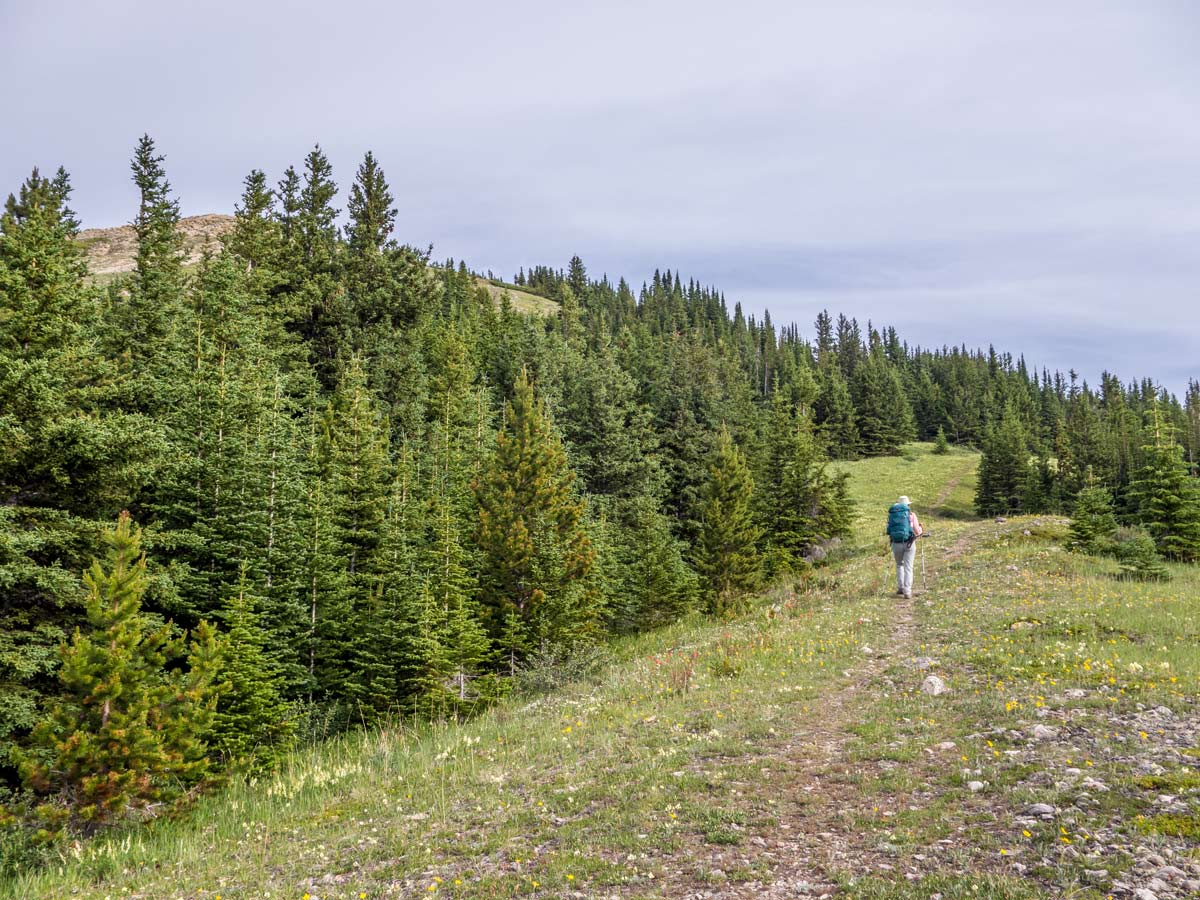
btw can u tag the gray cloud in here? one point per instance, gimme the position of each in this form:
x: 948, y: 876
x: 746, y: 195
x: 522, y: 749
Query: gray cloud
x: 1025, y: 174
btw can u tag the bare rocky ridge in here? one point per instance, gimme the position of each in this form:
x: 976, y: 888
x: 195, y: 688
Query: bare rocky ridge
x: 111, y: 251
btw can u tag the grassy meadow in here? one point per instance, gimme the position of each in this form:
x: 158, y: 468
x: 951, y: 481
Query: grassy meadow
x: 788, y: 752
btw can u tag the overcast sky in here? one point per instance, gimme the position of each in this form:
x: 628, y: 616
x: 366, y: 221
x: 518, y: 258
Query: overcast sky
x: 1023, y: 174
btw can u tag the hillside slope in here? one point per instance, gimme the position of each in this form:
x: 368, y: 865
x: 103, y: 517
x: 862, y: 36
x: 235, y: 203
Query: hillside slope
x: 788, y: 753
x: 112, y: 251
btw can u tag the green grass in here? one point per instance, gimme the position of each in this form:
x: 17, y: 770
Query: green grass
x: 522, y: 301
x: 669, y: 769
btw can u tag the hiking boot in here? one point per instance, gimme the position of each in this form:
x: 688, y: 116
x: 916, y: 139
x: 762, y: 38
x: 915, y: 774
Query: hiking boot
x: 908, y: 595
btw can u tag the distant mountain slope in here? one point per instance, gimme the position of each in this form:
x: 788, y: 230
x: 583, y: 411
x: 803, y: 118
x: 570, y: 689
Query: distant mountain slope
x: 111, y: 251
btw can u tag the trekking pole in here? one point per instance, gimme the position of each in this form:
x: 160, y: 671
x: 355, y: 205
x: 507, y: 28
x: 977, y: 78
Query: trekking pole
x: 924, y: 583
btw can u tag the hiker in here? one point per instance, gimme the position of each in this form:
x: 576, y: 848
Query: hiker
x: 903, y: 529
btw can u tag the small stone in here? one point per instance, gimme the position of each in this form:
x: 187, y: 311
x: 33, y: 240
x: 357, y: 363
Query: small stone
x: 1000, y: 520
x: 1027, y: 533
x: 1044, y: 733
x: 975, y: 786
x: 867, y: 650
x: 924, y: 662
x: 1170, y: 873
x: 947, y: 745
x: 1042, y: 810
x: 1095, y: 876
x: 1158, y: 886
x: 1192, y: 885
x: 1075, y: 693
x: 933, y: 686
x: 1144, y: 894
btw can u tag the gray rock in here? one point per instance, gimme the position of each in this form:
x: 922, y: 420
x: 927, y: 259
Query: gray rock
x: 975, y: 786
x: 1144, y: 894
x: 923, y: 662
x: 946, y: 745
x: 933, y: 686
x: 1044, y: 732
x: 1000, y: 520
x: 1041, y: 810
x: 1095, y: 876
x: 1192, y: 885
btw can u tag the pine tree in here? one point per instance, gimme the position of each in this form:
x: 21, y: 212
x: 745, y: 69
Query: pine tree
x: 129, y: 733
x: 535, y: 551
x: 726, y: 554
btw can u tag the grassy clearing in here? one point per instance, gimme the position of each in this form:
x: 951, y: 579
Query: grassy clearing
x: 522, y: 301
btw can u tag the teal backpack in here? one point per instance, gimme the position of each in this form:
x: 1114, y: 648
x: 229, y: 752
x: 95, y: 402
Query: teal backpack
x: 899, y: 528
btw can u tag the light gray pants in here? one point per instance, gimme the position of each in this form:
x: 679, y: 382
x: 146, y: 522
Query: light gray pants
x: 905, y: 553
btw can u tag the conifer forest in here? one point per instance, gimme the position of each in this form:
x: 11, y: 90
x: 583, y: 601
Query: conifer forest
x: 323, y: 480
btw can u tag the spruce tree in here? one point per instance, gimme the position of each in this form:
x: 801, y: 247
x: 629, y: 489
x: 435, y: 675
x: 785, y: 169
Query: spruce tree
x: 142, y: 319
x: 354, y: 665
x: 1166, y: 497
x: 800, y: 504
x: 67, y: 459
x: 1092, y: 523
x: 727, y: 556
x: 535, y: 552
x: 1139, y: 558
x: 1004, y: 468
x: 252, y: 725
x: 372, y: 214
x: 129, y: 732
x: 652, y: 583
x: 941, y: 446
x: 882, y: 410
x: 836, y: 416
x: 257, y: 240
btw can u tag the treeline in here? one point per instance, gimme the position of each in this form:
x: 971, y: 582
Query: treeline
x: 327, y: 482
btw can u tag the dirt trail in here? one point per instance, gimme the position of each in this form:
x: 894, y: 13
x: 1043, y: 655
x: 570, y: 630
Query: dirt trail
x: 817, y: 784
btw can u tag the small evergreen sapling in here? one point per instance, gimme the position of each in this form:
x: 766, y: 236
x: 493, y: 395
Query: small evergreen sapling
x: 1139, y: 557
x: 941, y: 446
x: 127, y: 738
x: 1093, y: 524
